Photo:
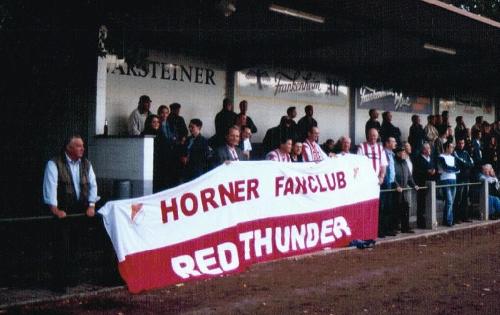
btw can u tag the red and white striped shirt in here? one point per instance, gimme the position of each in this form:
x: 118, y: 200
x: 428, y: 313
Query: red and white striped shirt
x: 375, y: 152
x: 312, y: 152
x: 277, y: 155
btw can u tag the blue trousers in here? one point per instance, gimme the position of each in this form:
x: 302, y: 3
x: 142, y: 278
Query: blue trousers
x: 449, y: 197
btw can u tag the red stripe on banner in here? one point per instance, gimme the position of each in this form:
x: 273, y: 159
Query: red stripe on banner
x: 235, y: 248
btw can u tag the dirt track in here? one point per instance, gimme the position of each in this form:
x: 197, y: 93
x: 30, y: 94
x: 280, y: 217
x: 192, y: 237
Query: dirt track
x: 456, y: 273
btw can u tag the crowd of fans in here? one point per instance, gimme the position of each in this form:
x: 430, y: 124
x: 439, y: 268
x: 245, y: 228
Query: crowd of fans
x: 436, y: 152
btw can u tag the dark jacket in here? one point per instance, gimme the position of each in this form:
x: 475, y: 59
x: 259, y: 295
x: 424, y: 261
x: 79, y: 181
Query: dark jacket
x: 465, y: 164
x: 250, y: 124
x: 421, y: 169
x: 303, y: 126
x: 222, y: 154
x: 223, y: 121
x: 198, y: 155
x: 178, y: 124
x: 372, y: 124
x: 389, y: 130
x: 403, y: 176
x: 416, y: 137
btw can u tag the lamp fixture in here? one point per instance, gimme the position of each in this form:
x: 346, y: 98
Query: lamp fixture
x: 444, y: 50
x: 296, y: 13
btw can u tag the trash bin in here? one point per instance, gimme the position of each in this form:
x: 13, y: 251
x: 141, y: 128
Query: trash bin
x: 122, y: 189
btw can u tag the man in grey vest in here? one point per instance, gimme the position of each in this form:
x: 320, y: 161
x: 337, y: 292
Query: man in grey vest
x: 69, y: 187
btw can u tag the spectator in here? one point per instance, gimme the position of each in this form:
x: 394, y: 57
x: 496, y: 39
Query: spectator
x: 444, y: 123
x: 282, y: 154
x: 69, y: 187
x: 477, y: 150
x: 296, y: 154
x: 439, y: 142
x: 138, y: 116
x: 230, y: 151
x: 373, y: 150
x: 408, y: 150
x: 488, y: 175
x: 486, y: 134
x: 223, y: 121
x: 478, y: 125
x: 286, y: 128
x: 166, y: 129
x: 403, y: 179
x: 329, y: 146
x: 197, y: 153
x: 151, y: 126
x: 387, y: 215
x: 177, y: 122
x: 465, y: 165
x: 447, y: 167
x: 431, y: 133
x: 311, y: 151
x: 388, y: 130
x: 490, y: 155
x: 242, y: 119
x: 417, y: 134
x: 306, y: 122
x: 372, y: 122
x: 291, y: 113
x: 425, y: 170
x: 460, y: 130
x: 245, y: 144
x: 343, y: 146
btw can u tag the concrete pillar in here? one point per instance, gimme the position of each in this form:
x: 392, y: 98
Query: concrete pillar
x: 430, y: 206
x: 483, y: 201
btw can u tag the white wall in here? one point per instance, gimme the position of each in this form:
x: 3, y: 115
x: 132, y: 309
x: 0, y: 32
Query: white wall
x: 198, y: 100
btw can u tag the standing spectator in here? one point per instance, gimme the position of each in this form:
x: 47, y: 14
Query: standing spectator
x: 242, y: 119
x: 486, y: 134
x: 311, y: 151
x: 177, y: 122
x: 223, y: 121
x: 477, y: 150
x: 444, y: 123
x: 374, y: 151
x: 465, y: 165
x: 408, y: 150
x: 403, y: 179
x: 417, y: 134
x: 387, y: 214
x: 431, y: 133
x: 306, y: 122
x: 286, y: 128
x: 425, y: 169
x: 282, y: 154
x: 69, y: 187
x: 372, y: 122
x: 343, y: 146
x: 447, y: 167
x: 388, y: 130
x: 296, y: 154
x: 138, y: 116
x: 230, y: 151
x: 439, y: 142
x: 291, y: 113
x: 245, y: 144
x: 478, y: 125
x: 460, y: 130
x: 197, y: 153
x: 490, y: 155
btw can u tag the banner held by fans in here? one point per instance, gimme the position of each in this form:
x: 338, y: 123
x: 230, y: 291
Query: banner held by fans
x: 240, y: 214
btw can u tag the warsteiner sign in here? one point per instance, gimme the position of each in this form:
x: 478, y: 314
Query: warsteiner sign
x: 240, y: 214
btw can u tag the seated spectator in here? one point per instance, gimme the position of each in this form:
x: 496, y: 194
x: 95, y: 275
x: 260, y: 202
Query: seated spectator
x: 282, y: 154
x: 245, y: 145
x: 151, y: 126
x: 311, y: 151
x: 296, y: 154
x: 488, y: 175
x: 230, y: 151
x: 137, y: 118
x: 328, y: 146
x: 343, y: 146
x: 197, y: 153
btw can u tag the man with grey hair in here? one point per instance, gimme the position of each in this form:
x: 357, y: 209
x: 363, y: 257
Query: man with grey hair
x: 424, y: 170
x: 488, y: 175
